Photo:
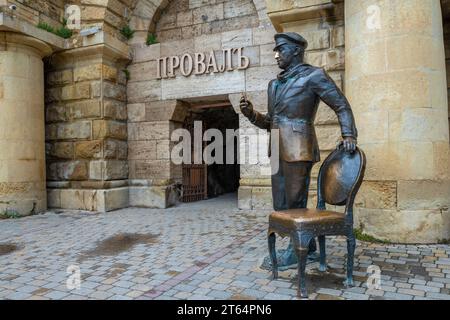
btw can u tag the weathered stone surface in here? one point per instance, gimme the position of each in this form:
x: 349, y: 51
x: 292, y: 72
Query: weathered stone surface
x: 206, y: 85
x: 238, y: 8
x: 151, y: 197
x: 406, y: 226
x: 142, y: 150
x: 262, y: 198
x: 147, y: 53
x: 75, y: 130
x: 59, y: 77
x: 109, y: 129
x: 90, y: 72
x: 70, y: 170
x: 208, y: 42
x: 144, y: 91
x: 258, y: 78
x: 422, y: 195
x: 76, y: 91
x: 237, y: 39
x: 115, y: 110
x: 115, y: 149
x: 150, y: 169
x: 61, y: 150
x: 208, y: 13
x: 88, y: 149
x: 377, y: 194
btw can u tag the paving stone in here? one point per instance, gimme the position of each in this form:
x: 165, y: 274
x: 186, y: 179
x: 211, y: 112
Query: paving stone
x: 182, y: 265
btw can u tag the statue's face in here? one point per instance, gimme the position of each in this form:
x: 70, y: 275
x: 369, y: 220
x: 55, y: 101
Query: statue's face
x: 284, y: 55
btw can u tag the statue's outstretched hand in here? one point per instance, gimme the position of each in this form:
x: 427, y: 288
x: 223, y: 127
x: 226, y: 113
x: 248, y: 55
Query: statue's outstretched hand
x: 349, y: 144
x: 246, y: 107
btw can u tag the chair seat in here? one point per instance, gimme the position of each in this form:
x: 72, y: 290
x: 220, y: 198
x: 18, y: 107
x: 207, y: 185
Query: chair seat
x: 298, y: 219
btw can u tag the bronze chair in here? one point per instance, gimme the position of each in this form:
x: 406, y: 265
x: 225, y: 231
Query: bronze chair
x: 340, y: 177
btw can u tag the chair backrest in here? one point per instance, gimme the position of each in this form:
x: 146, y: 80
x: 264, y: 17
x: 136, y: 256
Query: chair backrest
x: 340, y: 176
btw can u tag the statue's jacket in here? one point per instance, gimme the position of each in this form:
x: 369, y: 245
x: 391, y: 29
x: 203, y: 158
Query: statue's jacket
x: 292, y: 107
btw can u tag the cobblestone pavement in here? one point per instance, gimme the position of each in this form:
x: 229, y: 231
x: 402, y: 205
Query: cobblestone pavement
x: 205, y: 250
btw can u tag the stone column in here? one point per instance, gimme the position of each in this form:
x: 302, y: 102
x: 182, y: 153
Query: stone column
x: 22, y: 125
x: 396, y: 83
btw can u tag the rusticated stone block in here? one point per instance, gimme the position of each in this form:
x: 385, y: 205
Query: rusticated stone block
x: 142, y: 150
x: 238, y: 8
x: 115, y: 110
x: 75, y: 130
x: 377, y: 194
x: 404, y: 226
x: 144, y: 91
x: 114, y: 91
x: 88, y: 149
x: 150, y: 169
x: 262, y: 198
x: 90, y: 72
x: 423, y: 195
x: 85, y: 109
x: 59, y: 77
x: 136, y: 112
x: 115, y: 149
x: 153, y: 197
x: 71, y: 170
x: 61, y: 150
x: 76, y: 91
x: 147, y: 53
x: 258, y: 78
x: 109, y: 129
x: 208, y: 13
x: 115, y: 170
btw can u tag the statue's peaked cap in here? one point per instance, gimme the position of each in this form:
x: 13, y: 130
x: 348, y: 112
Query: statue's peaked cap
x: 292, y: 38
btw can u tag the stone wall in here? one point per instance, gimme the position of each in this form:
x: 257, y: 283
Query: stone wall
x: 396, y: 80
x: 86, y: 130
x: 35, y: 11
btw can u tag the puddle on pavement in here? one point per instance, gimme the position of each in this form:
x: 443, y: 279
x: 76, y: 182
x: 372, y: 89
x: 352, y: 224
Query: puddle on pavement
x: 7, y: 248
x: 120, y: 243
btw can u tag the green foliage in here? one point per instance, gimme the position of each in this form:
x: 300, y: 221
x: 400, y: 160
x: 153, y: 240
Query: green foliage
x: 127, y: 32
x: 361, y: 236
x: 127, y: 73
x: 62, y: 32
x: 46, y: 27
x: 443, y: 241
x: 151, y: 39
x: 9, y: 214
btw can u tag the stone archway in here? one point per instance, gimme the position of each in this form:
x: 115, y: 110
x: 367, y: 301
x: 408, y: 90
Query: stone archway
x: 146, y: 13
x: 189, y: 29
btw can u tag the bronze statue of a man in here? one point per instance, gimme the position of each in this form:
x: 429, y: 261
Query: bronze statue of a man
x: 293, y: 101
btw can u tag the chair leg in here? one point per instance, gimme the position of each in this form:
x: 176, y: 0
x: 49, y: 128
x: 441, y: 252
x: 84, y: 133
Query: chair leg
x: 323, y: 263
x: 351, y: 244
x: 302, y: 254
x: 273, y: 255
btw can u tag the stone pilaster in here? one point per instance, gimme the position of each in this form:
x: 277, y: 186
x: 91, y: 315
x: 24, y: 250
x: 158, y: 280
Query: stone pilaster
x: 86, y: 130
x: 396, y: 83
x: 22, y: 131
